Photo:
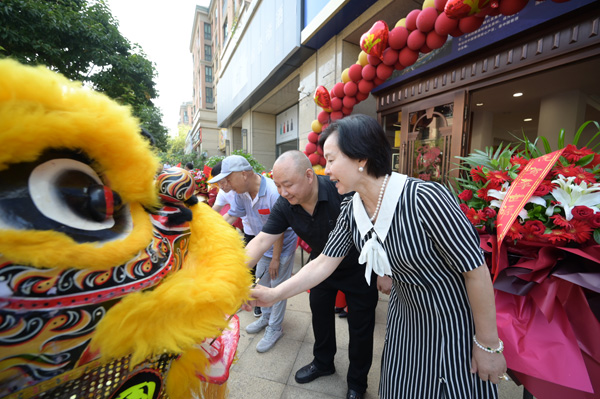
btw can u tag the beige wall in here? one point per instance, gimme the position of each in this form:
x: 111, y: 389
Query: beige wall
x: 262, y: 142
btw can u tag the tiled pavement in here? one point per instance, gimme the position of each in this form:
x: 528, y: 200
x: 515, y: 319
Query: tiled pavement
x: 270, y: 375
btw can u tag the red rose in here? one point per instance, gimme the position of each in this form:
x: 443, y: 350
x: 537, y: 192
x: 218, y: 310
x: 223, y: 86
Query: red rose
x: 466, y: 195
x: 533, y: 230
x: 489, y: 212
x: 581, y: 212
x: 595, y: 220
x: 464, y: 208
x: 543, y: 189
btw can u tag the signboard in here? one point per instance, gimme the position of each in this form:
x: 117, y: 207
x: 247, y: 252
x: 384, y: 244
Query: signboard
x: 286, y: 125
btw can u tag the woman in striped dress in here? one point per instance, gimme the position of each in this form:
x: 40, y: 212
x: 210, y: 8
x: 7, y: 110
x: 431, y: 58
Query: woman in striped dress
x: 441, y: 337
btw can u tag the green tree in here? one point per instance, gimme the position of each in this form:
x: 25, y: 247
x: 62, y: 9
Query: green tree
x: 81, y: 40
x: 175, y: 152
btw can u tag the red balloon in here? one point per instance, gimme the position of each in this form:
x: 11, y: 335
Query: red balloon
x: 338, y: 89
x: 457, y: 32
x: 336, y: 105
x: 408, y: 57
x: 346, y: 111
x: 444, y: 25
x: 511, y: 7
x: 440, y: 4
x: 310, y: 147
x: 416, y: 40
x: 360, y: 96
x: 397, y: 38
x: 335, y: 115
x: 398, y: 66
x: 355, y: 72
x: 411, y: 19
x: 365, y: 86
x: 384, y: 71
x: 424, y: 49
x: 332, y: 94
x: 373, y: 60
x: 390, y: 56
x: 350, y: 89
x: 319, y: 150
x: 323, y: 117
x: 369, y: 72
x: 434, y: 40
x: 426, y: 19
x: 324, y: 127
x: 376, y: 39
x: 314, y: 158
x: 322, y: 161
x: 470, y: 24
x: 378, y: 81
x: 349, y: 102
x: 313, y: 138
x: 322, y: 98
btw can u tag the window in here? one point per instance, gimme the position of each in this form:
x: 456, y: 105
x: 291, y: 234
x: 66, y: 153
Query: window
x: 207, y: 52
x: 209, y: 95
x: 207, y: 31
x: 208, y: 76
x: 225, y: 31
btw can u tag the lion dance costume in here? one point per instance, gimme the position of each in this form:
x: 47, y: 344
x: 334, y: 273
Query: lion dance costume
x: 113, y: 284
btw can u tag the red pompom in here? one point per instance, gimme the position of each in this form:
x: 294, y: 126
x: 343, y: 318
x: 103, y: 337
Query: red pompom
x: 373, y: 60
x: 313, y: 137
x: 365, y: 86
x: 350, y: 89
x: 416, y: 40
x: 445, y: 25
x: 338, y: 89
x: 355, y: 72
x: 397, y: 38
x: 310, y: 147
x: 360, y: 96
x: 434, y: 40
x: 384, y: 71
x: 323, y: 117
x: 426, y: 19
x: 336, y: 105
x: 348, y: 102
x: 335, y: 115
x: 408, y: 57
x: 369, y: 72
x: 411, y: 19
x: 314, y: 158
x: 470, y: 24
x: 511, y: 7
x: 390, y: 56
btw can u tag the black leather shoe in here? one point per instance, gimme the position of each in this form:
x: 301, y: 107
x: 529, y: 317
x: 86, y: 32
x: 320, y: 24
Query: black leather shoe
x: 352, y: 394
x: 310, y: 372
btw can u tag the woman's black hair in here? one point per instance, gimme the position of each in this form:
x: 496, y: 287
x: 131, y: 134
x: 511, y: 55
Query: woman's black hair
x: 361, y: 137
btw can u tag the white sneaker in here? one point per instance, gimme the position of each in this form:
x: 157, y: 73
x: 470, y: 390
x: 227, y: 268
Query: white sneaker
x: 271, y: 336
x: 258, y: 325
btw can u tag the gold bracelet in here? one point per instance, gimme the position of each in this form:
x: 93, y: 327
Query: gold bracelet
x: 500, y: 348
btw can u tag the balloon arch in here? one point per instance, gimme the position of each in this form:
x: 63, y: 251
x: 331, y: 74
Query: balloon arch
x: 385, y: 50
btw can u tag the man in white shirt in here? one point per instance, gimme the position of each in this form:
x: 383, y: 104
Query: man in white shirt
x: 255, y: 195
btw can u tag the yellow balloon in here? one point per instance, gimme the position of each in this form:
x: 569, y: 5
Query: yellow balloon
x: 401, y: 22
x: 345, y: 77
x: 319, y: 170
x: 428, y: 3
x: 316, y: 126
x: 362, y: 59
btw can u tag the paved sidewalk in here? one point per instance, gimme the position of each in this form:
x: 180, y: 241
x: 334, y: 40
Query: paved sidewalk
x: 270, y: 375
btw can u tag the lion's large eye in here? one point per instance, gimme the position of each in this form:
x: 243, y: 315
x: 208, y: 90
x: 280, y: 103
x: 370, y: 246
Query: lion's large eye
x: 71, y: 193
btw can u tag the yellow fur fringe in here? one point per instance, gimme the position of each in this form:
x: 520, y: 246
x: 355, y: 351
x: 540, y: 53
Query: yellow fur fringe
x: 188, y: 307
x: 40, y: 109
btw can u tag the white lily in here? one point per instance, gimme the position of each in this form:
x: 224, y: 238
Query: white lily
x: 569, y: 195
x: 500, y: 194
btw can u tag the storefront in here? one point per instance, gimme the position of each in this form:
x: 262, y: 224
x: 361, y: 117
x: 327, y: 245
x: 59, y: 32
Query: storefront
x: 465, y: 96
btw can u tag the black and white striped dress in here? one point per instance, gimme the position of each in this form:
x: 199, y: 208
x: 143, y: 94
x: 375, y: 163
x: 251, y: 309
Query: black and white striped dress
x: 428, y: 343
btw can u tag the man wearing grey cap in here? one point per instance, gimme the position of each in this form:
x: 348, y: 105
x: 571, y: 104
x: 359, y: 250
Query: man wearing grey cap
x: 255, y: 195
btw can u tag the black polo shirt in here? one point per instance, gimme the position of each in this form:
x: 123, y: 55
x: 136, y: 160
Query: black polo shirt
x: 313, y: 229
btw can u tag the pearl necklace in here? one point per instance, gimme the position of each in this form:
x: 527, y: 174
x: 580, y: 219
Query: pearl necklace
x: 380, y: 198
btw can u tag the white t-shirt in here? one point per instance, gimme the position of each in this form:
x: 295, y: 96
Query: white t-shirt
x: 223, y: 199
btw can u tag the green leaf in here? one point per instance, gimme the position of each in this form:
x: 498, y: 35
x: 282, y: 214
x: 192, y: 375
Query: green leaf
x: 585, y: 160
x: 547, y: 147
x: 561, y: 139
x: 597, y: 236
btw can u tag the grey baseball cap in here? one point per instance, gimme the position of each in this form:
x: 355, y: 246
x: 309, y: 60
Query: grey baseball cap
x: 233, y: 163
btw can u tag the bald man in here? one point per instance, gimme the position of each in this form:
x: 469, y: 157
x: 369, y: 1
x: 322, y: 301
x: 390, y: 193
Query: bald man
x: 310, y: 205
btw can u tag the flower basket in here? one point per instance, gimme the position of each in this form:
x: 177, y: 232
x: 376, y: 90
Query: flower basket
x: 546, y: 265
